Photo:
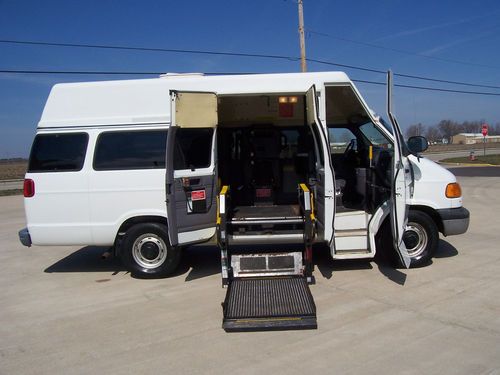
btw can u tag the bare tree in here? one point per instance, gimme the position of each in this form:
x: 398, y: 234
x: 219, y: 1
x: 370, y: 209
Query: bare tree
x: 472, y: 126
x: 496, y: 129
x: 415, y: 129
x: 448, y: 129
x: 433, y: 134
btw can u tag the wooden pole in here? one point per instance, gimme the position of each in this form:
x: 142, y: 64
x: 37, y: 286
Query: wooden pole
x: 302, y: 39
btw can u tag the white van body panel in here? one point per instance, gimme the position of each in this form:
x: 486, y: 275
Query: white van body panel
x: 146, y: 101
x: 106, y: 103
x: 59, y: 213
x: 116, y: 195
x: 88, y: 207
x: 431, y: 180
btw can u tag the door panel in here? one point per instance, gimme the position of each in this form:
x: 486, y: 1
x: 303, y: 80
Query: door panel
x: 324, y: 189
x: 401, y: 180
x: 189, y: 216
x: 190, y: 167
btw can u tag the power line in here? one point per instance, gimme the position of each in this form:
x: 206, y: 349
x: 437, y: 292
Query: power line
x: 447, y: 81
x: 228, y: 73
x: 312, y: 32
x: 237, y: 54
x: 404, y: 75
x: 76, y: 72
x: 95, y: 72
x: 429, y: 88
x: 150, y: 49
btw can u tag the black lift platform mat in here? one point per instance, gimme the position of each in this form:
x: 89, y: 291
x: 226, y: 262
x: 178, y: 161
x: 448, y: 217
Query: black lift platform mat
x: 264, y: 304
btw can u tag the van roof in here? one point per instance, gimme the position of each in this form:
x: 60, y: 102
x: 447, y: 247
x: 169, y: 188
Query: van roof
x: 147, y: 101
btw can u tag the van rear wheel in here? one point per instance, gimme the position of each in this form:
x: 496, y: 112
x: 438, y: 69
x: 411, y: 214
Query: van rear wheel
x: 147, y: 253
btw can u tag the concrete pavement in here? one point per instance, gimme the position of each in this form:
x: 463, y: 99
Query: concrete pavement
x: 64, y: 310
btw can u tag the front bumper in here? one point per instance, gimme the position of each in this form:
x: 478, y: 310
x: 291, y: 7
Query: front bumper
x: 24, y: 237
x: 455, y: 220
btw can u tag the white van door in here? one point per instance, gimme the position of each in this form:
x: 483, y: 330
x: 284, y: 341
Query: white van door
x: 400, y: 190
x: 191, y: 173
x: 324, y: 189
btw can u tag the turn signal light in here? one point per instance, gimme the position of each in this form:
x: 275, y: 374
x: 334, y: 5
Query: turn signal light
x: 453, y: 190
x: 29, y: 188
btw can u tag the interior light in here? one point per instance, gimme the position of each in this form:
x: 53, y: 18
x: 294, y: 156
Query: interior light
x: 283, y: 99
x: 292, y: 99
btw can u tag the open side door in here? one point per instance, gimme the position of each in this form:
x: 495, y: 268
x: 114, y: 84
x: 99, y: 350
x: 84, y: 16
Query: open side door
x: 191, y: 172
x: 324, y: 191
x: 401, y: 181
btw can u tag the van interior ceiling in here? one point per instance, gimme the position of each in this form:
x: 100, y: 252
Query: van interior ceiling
x: 265, y: 150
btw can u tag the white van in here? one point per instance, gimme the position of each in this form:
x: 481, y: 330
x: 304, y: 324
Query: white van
x: 140, y: 164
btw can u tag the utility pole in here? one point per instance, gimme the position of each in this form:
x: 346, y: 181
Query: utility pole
x: 301, y: 36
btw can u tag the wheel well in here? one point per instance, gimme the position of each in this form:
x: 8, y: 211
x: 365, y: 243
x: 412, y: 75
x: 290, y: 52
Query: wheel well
x: 127, y: 224
x: 432, y: 213
x: 383, y: 242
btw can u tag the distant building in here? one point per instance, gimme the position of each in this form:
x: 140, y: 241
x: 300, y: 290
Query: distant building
x: 473, y: 138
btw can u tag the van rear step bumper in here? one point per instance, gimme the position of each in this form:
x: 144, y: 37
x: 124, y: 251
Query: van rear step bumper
x: 24, y: 237
x: 265, y: 304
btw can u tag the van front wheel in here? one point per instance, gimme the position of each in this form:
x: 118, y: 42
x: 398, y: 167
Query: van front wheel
x: 421, y: 238
x: 147, y: 253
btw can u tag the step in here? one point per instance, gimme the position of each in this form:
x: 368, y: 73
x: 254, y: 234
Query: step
x: 267, y: 264
x: 262, y: 239
x: 272, y: 303
x: 267, y: 221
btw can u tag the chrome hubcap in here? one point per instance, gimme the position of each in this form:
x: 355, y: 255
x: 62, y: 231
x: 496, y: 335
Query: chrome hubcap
x: 149, y: 251
x: 415, y: 239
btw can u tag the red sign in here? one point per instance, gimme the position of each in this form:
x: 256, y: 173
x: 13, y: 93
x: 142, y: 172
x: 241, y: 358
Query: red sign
x: 198, y: 195
x: 484, y: 130
x: 263, y: 193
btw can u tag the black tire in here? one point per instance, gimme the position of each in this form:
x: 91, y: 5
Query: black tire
x: 421, y: 226
x: 421, y: 238
x: 146, y: 252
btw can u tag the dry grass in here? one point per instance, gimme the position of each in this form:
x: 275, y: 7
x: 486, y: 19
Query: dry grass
x: 475, y: 147
x: 12, y: 170
x: 480, y: 159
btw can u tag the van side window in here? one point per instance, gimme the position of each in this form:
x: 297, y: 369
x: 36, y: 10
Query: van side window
x: 193, y: 148
x: 118, y: 150
x: 58, y: 152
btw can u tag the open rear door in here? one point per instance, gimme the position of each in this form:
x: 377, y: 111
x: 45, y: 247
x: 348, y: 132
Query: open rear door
x: 401, y: 181
x: 191, y: 173
x: 324, y: 199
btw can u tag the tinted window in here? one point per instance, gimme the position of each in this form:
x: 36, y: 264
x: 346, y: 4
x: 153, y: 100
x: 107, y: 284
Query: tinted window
x: 193, y: 148
x: 130, y: 150
x: 58, y: 152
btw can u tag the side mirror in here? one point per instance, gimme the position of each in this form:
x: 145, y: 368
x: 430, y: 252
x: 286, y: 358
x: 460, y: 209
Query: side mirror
x: 417, y: 144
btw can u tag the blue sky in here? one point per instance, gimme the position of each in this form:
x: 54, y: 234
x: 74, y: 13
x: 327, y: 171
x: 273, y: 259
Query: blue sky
x: 465, y: 33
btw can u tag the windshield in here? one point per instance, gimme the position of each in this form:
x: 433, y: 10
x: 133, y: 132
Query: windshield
x: 386, y: 125
x: 374, y: 136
